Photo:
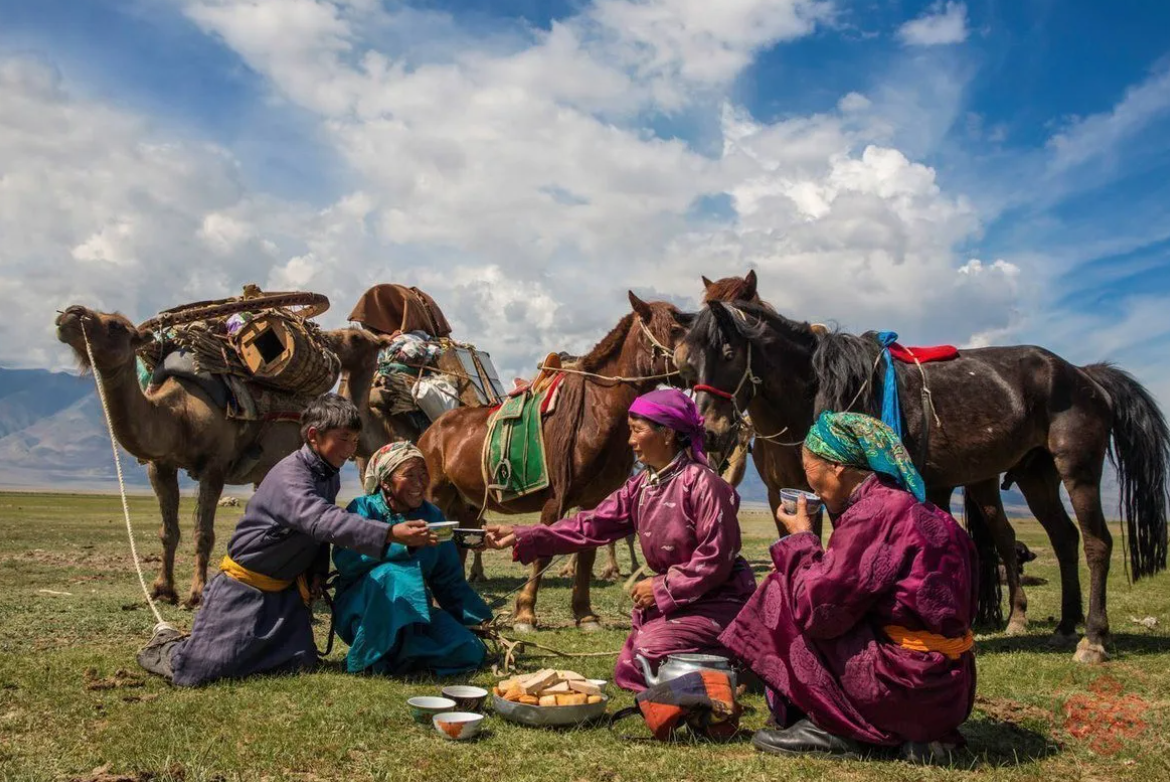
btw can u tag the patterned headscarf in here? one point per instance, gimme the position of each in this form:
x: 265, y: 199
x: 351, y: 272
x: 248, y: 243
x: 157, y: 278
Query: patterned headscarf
x: 385, y: 461
x: 858, y: 440
x: 672, y: 408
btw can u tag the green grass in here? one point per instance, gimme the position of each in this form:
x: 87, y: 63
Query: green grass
x: 71, y: 612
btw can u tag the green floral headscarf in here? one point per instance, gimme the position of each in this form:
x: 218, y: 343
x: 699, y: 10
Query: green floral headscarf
x: 858, y: 440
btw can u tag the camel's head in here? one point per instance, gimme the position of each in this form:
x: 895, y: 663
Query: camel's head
x: 356, y: 348
x: 112, y: 337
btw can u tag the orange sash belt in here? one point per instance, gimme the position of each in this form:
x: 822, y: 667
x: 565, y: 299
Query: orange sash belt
x: 262, y: 582
x: 922, y: 641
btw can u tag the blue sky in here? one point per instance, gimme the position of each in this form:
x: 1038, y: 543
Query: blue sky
x: 555, y: 154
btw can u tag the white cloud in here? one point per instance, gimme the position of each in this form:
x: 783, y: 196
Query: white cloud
x: 942, y: 24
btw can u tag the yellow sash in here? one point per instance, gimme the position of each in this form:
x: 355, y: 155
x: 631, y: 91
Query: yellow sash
x: 922, y: 641
x: 262, y: 582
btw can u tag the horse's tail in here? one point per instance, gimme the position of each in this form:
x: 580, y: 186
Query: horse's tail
x: 561, y: 438
x: 1140, y: 450
x: 989, y: 610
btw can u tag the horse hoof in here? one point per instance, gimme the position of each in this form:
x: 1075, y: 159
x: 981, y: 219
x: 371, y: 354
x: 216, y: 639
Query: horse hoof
x: 192, y: 602
x: 1015, y: 628
x: 611, y: 575
x: 476, y: 578
x: 164, y: 594
x: 589, y: 626
x: 523, y: 627
x: 1090, y: 653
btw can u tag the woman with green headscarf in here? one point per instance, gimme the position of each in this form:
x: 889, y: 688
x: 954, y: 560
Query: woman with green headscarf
x: 865, y: 644
x: 408, y: 610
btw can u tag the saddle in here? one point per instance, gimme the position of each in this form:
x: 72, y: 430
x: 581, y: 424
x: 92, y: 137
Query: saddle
x: 513, y: 460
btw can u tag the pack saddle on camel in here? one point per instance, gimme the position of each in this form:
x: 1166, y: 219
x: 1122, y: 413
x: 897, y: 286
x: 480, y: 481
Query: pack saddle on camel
x: 188, y: 391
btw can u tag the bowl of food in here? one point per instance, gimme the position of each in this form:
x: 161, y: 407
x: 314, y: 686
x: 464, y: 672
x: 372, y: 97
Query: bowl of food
x: 466, y: 537
x: 466, y: 698
x: 550, y: 698
x: 458, y: 725
x: 442, y: 529
x: 789, y: 497
x: 424, y: 707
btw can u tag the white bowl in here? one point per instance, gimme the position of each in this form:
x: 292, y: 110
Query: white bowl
x: 600, y: 684
x: 458, y: 725
x: 424, y: 707
x: 467, y: 698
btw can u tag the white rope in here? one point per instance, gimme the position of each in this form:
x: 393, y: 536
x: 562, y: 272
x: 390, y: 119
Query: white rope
x: 97, y: 379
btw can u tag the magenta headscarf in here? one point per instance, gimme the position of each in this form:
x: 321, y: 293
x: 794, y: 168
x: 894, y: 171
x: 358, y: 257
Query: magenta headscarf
x: 671, y: 407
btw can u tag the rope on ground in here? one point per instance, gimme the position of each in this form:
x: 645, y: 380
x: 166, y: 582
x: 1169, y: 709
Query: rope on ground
x: 97, y: 379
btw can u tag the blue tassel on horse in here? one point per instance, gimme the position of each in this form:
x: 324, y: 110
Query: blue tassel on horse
x: 891, y: 407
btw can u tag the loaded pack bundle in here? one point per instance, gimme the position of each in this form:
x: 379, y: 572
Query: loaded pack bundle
x: 422, y: 370
x: 257, y: 355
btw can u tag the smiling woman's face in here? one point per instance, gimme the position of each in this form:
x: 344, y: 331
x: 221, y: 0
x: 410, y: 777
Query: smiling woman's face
x: 407, y: 485
x: 654, y: 446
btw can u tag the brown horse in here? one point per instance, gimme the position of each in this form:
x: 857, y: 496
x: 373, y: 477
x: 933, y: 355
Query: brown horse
x: 585, y: 442
x: 1020, y: 410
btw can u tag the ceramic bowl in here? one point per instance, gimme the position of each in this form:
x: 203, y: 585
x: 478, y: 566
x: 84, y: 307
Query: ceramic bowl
x: 442, y: 529
x: 788, y: 498
x: 458, y: 725
x: 468, y: 538
x: 600, y: 684
x: 424, y: 707
x: 466, y: 698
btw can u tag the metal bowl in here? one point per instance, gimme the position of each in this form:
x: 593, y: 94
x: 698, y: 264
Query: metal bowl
x: 549, y: 716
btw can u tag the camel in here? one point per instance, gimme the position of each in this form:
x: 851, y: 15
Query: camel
x: 585, y: 440
x: 174, y: 427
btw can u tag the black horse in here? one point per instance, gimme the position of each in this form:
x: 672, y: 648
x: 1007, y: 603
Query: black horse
x: 1018, y: 410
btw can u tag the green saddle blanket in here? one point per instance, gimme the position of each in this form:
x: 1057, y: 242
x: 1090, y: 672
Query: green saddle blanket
x: 513, y: 458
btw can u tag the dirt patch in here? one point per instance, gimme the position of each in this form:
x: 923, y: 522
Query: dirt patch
x: 120, y: 680
x: 84, y: 558
x: 102, y: 774
x: 1009, y: 711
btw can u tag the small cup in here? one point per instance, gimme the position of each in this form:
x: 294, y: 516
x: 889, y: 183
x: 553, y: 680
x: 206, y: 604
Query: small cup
x: 442, y: 529
x: 458, y: 725
x: 424, y: 707
x: 466, y: 698
x: 788, y: 498
x: 465, y: 537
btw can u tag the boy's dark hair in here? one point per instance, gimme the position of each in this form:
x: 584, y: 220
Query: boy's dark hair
x: 330, y: 411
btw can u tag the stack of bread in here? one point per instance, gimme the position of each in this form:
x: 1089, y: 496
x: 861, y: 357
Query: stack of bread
x: 550, y: 687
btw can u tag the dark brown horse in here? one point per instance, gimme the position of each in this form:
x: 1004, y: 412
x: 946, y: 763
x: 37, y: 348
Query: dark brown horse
x: 778, y: 464
x: 1020, y: 410
x: 585, y: 441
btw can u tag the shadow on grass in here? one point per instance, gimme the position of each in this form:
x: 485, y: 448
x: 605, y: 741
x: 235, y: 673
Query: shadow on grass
x: 1120, y: 643
x: 998, y: 743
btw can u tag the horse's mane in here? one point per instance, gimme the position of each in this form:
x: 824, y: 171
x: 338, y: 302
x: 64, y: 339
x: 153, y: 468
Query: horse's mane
x: 754, y: 321
x: 610, y: 344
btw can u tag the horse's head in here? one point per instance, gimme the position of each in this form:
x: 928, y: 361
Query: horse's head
x: 732, y: 289
x: 714, y: 357
x: 660, y: 328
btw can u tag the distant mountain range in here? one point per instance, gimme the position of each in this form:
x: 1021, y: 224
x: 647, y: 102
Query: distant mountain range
x: 52, y: 436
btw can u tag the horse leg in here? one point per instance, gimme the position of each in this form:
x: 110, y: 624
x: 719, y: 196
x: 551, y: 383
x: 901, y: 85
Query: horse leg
x: 165, y: 480
x: 569, y: 569
x: 634, y: 566
x: 613, y: 571
x: 210, y: 489
x: 986, y: 494
x: 1080, y: 466
x: 587, y: 621
x: 524, y: 617
x: 1040, y: 485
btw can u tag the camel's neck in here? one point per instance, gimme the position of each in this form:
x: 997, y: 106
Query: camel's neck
x: 143, y: 426
x: 356, y: 388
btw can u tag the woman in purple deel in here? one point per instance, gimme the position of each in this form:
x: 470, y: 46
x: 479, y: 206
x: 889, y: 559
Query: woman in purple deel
x: 685, y: 518
x: 866, y: 643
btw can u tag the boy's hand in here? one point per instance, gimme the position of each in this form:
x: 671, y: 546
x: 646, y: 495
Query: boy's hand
x: 412, y: 533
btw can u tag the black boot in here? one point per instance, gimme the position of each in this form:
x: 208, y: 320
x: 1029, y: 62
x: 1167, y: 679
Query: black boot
x: 804, y: 737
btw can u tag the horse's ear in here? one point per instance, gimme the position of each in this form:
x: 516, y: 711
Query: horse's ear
x: 685, y: 319
x: 641, y: 308
x: 707, y: 283
x: 820, y: 329
x: 722, y: 316
x: 750, y: 285
x: 142, y: 338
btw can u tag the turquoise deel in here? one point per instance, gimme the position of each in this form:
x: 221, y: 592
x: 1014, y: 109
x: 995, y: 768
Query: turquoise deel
x: 407, y: 611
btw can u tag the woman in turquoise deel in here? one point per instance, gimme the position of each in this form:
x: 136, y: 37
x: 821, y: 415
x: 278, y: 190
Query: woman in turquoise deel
x: 409, y: 611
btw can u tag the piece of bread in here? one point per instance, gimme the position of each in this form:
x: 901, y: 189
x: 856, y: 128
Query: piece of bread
x: 530, y: 700
x: 594, y: 699
x: 585, y: 687
x: 548, y: 700
x: 570, y: 676
x: 514, y: 694
x: 560, y: 688
x: 539, y: 682
x: 575, y: 699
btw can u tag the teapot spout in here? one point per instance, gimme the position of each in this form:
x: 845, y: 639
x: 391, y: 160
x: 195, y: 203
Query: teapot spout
x: 651, y: 679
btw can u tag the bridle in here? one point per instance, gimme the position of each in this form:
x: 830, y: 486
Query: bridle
x: 741, y: 418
